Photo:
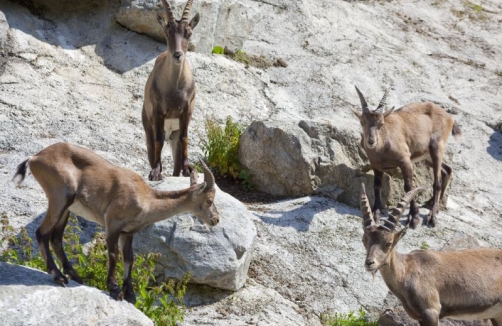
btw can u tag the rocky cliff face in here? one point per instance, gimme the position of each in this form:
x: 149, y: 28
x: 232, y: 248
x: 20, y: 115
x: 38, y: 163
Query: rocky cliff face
x: 71, y: 72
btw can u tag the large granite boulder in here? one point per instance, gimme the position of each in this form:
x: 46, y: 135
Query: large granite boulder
x: 299, y: 158
x: 223, y: 22
x: 30, y: 297
x: 217, y: 256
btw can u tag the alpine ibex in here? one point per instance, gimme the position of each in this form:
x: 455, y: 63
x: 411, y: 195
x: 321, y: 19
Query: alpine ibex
x: 170, y: 95
x: 415, y: 132
x: 77, y: 180
x: 463, y: 284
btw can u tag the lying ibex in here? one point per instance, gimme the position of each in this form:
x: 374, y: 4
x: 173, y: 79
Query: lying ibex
x: 416, y: 132
x: 77, y: 180
x: 170, y: 95
x: 464, y: 284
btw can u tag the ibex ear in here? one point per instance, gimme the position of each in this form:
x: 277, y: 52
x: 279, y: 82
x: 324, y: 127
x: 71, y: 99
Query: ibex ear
x: 356, y: 112
x: 201, y: 188
x: 194, y: 176
x: 388, y: 112
x: 400, y: 234
x: 194, y: 21
x: 161, y: 20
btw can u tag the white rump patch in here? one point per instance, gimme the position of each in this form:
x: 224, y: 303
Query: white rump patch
x: 171, y: 125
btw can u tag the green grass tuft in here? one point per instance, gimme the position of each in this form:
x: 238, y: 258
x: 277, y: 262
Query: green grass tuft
x: 350, y: 319
x: 222, y: 151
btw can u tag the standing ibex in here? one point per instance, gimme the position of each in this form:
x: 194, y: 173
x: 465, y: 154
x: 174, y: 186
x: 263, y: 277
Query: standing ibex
x: 170, y: 95
x: 416, y: 132
x: 463, y: 284
x: 77, y: 180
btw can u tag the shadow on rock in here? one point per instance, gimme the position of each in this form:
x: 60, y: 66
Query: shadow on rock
x: 299, y: 218
x: 495, y: 145
x: 21, y: 275
x: 67, y: 26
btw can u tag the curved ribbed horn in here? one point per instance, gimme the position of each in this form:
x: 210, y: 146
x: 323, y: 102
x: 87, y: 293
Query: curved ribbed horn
x: 169, y: 12
x: 363, y: 101
x: 380, y: 106
x: 397, y: 212
x: 366, y: 209
x: 208, y: 176
x: 186, y: 11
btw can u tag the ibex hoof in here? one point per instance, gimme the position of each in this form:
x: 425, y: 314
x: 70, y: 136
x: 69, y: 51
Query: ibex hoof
x: 129, y: 295
x: 187, y: 170
x: 431, y: 220
x: 61, y: 280
x: 155, y: 175
x: 74, y: 276
x: 116, y: 294
x: 415, y: 221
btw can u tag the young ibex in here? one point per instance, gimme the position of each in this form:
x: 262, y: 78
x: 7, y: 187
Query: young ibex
x: 416, y: 132
x: 77, y: 180
x: 170, y: 95
x: 463, y: 284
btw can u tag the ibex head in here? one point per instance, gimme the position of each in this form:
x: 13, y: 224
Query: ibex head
x: 380, y: 240
x: 178, y: 32
x: 371, y: 121
x: 203, y: 197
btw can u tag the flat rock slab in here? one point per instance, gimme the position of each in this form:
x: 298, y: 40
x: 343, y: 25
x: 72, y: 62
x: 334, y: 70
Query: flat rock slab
x: 30, y: 297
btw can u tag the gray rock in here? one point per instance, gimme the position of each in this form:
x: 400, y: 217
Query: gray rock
x: 30, y: 297
x: 223, y: 22
x: 324, y: 157
x: 217, y: 256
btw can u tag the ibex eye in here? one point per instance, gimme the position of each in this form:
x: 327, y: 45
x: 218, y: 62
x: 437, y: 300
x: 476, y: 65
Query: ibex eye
x: 389, y: 244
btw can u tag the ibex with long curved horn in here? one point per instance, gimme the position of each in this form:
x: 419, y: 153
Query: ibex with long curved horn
x: 463, y: 284
x: 77, y: 180
x: 170, y: 95
x: 415, y: 132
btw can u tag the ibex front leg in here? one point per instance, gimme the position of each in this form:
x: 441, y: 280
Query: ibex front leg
x: 407, y: 171
x: 125, y: 242
x: 377, y: 185
x: 184, y: 120
x: 154, y: 131
x: 112, y: 244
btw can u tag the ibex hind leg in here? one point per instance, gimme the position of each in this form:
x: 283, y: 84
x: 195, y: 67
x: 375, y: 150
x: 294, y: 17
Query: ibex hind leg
x: 55, y: 212
x: 446, y: 172
x: 57, y: 246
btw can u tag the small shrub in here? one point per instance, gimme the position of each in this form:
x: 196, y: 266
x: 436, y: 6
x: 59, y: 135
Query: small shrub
x: 241, y: 56
x: 424, y: 245
x: 222, y: 151
x: 161, y: 302
x: 350, y: 319
x: 218, y: 50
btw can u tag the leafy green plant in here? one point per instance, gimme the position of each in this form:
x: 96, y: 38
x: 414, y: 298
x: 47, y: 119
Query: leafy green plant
x: 222, y: 151
x: 424, y: 245
x: 161, y: 302
x: 350, y: 319
x: 218, y: 50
